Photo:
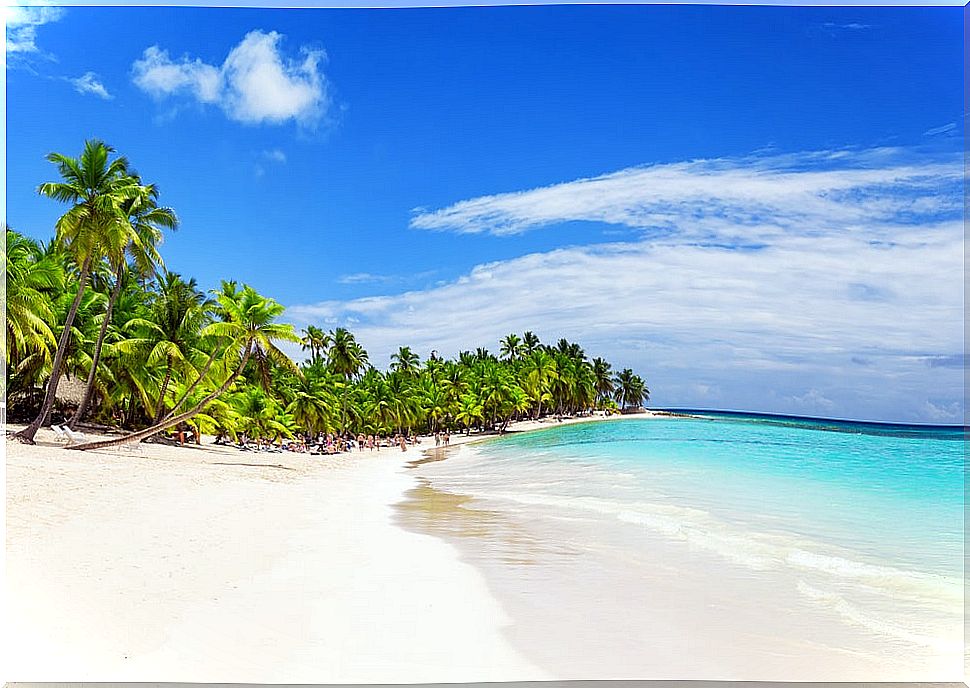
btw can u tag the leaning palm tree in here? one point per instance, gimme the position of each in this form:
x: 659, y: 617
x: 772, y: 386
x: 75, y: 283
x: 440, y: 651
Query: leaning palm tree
x: 98, y: 189
x: 171, y: 331
x: 147, y: 220
x: 249, y: 321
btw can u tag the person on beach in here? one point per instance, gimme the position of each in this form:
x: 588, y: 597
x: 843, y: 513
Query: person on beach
x: 437, y: 439
x: 447, y: 439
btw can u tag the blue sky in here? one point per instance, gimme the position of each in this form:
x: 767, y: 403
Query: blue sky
x: 755, y: 207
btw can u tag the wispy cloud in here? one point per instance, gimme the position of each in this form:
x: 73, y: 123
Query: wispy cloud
x: 853, y: 263
x: 848, y: 26
x: 22, y: 24
x: 372, y: 278
x: 951, y: 361
x: 758, y: 196
x: 275, y: 155
x: 256, y: 84
x: 366, y: 278
x: 813, y: 401
x: 938, y: 131
x: 944, y: 412
x: 90, y: 83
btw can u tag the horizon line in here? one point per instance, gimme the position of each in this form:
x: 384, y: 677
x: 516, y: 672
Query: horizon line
x: 687, y: 410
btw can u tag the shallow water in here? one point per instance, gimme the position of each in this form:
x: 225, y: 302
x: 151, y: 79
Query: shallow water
x: 855, y: 531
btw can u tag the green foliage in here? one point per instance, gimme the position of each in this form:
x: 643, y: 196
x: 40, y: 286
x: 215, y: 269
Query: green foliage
x: 156, y: 350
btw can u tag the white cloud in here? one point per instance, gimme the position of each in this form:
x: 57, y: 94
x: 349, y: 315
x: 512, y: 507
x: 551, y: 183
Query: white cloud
x: 22, y: 24
x: 775, y: 192
x: 851, y: 26
x: 951, y: 412
x: 945, y: 129
x: 275, y: 155
x: 90, y: 83
x: 255, y: 84
x: 759, y: 309
x: 156, y: 74
x: 365, y: 278
x: 813, y: 401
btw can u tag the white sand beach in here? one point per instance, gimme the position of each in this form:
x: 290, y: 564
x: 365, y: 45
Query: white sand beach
x: 212, y: 564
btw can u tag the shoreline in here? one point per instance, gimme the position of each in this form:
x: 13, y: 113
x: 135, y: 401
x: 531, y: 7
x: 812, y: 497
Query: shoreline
x: 651, y: 608
x: 209, y: 564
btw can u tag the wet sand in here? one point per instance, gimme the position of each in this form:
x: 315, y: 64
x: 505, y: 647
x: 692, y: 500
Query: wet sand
x: 594, y: 602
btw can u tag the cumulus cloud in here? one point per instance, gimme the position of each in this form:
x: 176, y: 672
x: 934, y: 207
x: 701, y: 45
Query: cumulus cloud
x: 22, y: 24
x: 91, y: 83
x: 255, y: 84
x: 762, y: 306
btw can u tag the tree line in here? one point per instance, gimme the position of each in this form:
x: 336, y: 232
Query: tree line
x: 154, y: 351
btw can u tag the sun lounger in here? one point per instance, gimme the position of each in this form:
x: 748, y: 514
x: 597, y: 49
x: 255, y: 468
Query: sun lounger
x: 73, y: 436
x: 60, y: 435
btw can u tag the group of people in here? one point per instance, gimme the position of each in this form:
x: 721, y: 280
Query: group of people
x: 331, y: 443
x: 335, y: 444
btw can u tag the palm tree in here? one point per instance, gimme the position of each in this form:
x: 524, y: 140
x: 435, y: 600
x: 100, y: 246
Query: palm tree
x: 630, y: 389
x: 347, y: 358
x: 172, y: 330
x: 249, y: 321
x: 310, y: 399
x: 315, y: 341
x: 405, y: 361
x: 32, y: 278
x: 539, y: 373
x: 603, y: 375
x: 98, y: 188
x: 530, y: 343
x: 511, y: 347
x: 147, y: 220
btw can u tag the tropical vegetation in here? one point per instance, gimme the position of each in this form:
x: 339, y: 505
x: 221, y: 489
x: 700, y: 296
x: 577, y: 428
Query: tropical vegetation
x: 97, y: 305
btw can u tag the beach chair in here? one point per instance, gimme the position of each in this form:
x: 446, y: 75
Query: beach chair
x: 60, y: 435
x: 74, y: 437
x: 132, y: 446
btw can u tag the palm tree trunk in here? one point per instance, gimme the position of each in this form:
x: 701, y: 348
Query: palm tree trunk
x: 161, y: 394
x: 168, y: 422
x: 89, y: 387
x: 205, y: 371
x: 27, y: 434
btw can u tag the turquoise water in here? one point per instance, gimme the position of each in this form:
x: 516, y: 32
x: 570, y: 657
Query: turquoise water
x: 868, y: 515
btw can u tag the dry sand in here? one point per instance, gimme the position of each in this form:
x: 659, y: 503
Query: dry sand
x: 212, y: 564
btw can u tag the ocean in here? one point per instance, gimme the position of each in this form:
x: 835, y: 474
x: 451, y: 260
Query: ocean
x: 854, y: 531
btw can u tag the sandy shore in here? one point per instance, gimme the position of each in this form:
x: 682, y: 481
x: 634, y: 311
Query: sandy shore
x: 212, y: 564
